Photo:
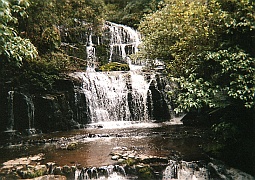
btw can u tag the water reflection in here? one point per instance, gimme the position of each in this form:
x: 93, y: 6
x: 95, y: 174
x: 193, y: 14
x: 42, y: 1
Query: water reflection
x: 95, y: 145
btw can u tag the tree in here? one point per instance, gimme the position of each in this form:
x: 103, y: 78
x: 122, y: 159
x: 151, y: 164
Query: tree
x: 14, y: 49
x: 47, y: 17
x: 129, y: 12
x: 203, y: 47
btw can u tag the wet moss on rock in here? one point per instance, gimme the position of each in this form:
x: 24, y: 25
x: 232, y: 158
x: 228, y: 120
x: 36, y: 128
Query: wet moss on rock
x: 114, y: 66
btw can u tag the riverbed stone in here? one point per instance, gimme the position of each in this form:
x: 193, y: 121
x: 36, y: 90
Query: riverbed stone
x: 131, y: 156
x: 66, y: 169
x: 121, y: 160
x: 57, y: 170
x: 72, y: 146
x: 115, y: 157
x: 51, y: 177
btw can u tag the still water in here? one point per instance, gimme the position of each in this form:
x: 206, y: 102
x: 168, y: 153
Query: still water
x: 95, y: 143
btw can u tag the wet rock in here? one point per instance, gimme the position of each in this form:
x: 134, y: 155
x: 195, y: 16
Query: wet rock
x: 32, y: 171
x: 57, y: 171
x: 132, y: 156
x: 115, y: 157
x: 72, y: 146
x: 121, y: 160
x: 145, y: 173
x: 66, y: 169
x: 51, y: 177
x: 141, y: 157
x: 38, y: 157
x: 155, y: 160
x: 50, y: 166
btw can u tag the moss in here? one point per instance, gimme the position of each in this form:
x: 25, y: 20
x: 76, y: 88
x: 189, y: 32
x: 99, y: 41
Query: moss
x: 130, y: 162
x: 146, y: 173
x: 31, y: 173
x: 72, y: 146
x: 114, y: 66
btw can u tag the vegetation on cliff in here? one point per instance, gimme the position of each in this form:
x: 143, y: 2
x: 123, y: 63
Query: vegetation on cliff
x: 114, y: 66
x: 209, y: 52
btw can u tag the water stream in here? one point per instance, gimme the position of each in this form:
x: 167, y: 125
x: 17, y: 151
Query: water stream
x: 120, y: 108
x: 124, y: 40
x: 10, y: 124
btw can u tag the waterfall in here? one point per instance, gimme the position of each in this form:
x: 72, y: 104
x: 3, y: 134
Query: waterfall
x: 140, y: 94
x: 116, y: 43
x: 91, y: 53
x: 10, y: 124
x: 123, y: 42
x: 115, y: 96
x: 30, y: 112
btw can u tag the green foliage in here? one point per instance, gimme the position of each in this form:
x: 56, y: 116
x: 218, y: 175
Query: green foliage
x: 208, y: 50
x: 114, y: 66
x: 129, y: 12
x: 130, y: 162
x: 195, y: 93
x: 40, y: 75
x: 145, y: 173
x: 46, y: 17
x: 14, y: 50
x: 225, y: 132
x: 179, y: 29
x: 50, y: 39
x: 237, y: 74
x: 18, y: 50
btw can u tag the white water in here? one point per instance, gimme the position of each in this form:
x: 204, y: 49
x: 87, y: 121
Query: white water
x: 91, y: 53
x: 10, y: 124
x: 115, y: 96
x: 124, y: 40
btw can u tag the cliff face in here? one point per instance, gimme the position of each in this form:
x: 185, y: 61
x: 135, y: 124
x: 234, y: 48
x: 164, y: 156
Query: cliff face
x: 47, y: 112
x: 66, y: 106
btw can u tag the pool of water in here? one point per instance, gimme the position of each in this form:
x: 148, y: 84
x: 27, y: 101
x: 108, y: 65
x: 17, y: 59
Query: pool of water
x: 95, y: 143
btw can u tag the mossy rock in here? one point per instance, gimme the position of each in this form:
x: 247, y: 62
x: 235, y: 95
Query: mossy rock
x: 130, y: 162
x: 72, y: 146
x: 114, y: 66
x: 32, y: 173
x: 145, y: 173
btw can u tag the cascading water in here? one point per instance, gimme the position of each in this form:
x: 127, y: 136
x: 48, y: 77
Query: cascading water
x: 91, y: 54
x: 10, y: 124
x: 124, y: 41
x: 30, y: 112
x: 117, y: 96
x: 22, y: 119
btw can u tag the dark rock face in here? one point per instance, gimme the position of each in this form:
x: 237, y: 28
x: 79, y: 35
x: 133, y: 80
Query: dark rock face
x: 161, y: 109
x: 47, y: 111
x: 62, y: 109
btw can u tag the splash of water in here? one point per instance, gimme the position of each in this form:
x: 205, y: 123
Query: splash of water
x: 115, y: 96
x: 110, y: 172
